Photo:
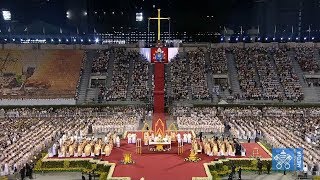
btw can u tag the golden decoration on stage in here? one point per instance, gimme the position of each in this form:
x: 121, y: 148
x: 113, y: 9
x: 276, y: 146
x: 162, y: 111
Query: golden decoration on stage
x: 127, y: 159
x: 192, y: 157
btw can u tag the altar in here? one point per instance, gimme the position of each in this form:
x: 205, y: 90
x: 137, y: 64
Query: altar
x: 159, y: 145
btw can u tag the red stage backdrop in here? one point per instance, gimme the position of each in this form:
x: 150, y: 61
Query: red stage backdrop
x: 159, y: 54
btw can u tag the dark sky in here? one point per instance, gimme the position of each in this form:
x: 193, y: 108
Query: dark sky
x: 199, y: 15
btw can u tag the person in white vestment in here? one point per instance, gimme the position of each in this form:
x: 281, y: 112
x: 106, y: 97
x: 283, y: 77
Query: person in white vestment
x: 179, y: 138
x: 118, y: 141
x: 129, y: 136
x: 185, y: 138
x: 6, y: 169
x: 134, y: 138
x: 189, y: 136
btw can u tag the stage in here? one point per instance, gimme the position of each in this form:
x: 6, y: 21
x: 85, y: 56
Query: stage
x: 165, y: 165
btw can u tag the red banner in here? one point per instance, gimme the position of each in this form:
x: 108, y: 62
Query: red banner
x: 159, y: 55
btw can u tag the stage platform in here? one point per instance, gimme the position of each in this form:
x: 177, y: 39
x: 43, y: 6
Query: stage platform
x: 165, y: 165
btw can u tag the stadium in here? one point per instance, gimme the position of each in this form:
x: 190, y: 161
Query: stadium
x: 159, y: 90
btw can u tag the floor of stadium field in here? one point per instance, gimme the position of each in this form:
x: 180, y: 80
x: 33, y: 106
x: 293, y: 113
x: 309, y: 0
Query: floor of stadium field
x: 245, y: 176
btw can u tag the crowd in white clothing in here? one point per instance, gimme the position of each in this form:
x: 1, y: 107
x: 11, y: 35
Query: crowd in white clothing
x: 25, y: 132
x: 280, y: 127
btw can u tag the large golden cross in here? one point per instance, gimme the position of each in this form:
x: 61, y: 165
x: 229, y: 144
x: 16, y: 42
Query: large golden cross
x: 159, y: 18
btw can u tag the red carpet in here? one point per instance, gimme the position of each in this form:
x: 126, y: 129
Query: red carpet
x: 250, y: 148
x: 158, y: 123
x: 165, y: 165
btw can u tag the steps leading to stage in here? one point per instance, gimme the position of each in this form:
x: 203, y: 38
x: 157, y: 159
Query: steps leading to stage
x: 158, y: 98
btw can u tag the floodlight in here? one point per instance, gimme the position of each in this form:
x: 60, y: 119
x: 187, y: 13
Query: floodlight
x: 6, y: 15
x: 139, y: 16
x: 97, y: 40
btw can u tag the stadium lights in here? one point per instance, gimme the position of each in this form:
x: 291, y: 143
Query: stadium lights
x: 68, y: 13
x: 139, y: 17
x: 6, y: 15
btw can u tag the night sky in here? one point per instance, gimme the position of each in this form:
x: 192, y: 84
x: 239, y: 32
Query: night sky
x: 190, y: 16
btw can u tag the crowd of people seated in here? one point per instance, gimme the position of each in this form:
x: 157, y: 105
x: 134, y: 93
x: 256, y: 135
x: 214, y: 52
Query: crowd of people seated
x: 306, y: 59
x: 218, y: 60
x: 198, y: 119
x: 120, y: 76
x: 139, y: 77
x: 271, y: 88
x: 287, y: 75
x: 198, y: 78
x: 100, y: 63
x: 179, y: 78
x: 262, y: 78
x: 25, y: 132
x: 279, y: 127
x: 247, y: 74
